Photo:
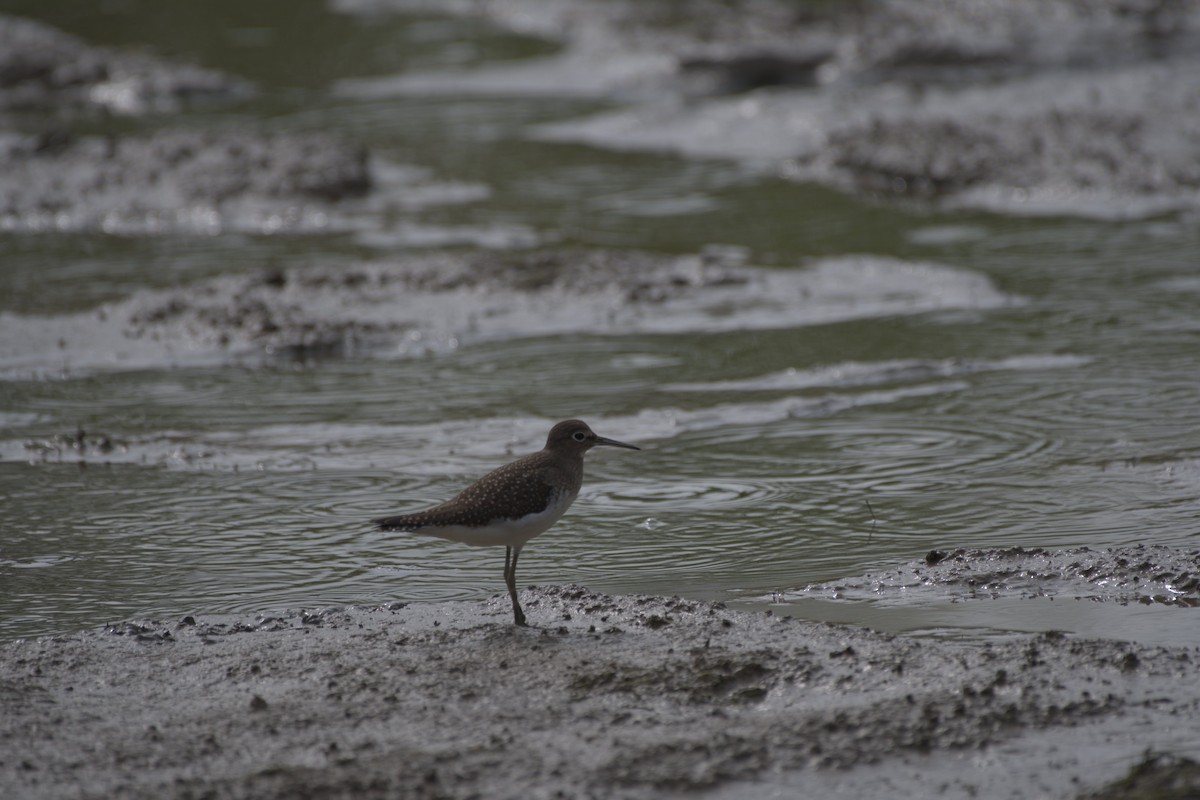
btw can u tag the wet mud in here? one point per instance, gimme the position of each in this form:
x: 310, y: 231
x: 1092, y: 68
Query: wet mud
x: 1103, y: 145
x: 1148, y: 574
x: 170, y: 180
x: 1063, y: 108
x: 605, y: 697
x: 434, y: 303
x: 177, y: 181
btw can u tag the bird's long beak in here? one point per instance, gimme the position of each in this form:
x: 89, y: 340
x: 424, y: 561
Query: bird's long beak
x: 615, y: 443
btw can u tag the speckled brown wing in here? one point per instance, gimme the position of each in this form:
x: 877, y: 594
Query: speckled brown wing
x: 509, y: 492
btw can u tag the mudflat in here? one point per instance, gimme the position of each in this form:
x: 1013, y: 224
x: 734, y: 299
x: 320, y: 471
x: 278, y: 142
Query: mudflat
x: 606, y: 696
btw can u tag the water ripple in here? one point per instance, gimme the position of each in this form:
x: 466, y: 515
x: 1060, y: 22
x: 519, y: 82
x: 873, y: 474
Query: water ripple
x: 869, y: 373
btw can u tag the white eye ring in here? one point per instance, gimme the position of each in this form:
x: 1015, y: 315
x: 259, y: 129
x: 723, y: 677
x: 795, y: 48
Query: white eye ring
x: 578, y: 436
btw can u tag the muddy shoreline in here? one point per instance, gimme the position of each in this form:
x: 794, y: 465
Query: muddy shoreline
x: 605, y: 697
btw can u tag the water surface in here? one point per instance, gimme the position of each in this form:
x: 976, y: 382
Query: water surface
x: 1053, y: 404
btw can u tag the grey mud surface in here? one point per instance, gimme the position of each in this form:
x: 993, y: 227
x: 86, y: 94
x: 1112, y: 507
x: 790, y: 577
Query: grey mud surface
x: 606, y: 696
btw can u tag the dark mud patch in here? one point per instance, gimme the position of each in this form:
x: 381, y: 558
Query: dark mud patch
x: 597, y: 700
x: 44, y: 69
x: 1147, y: 574
x: 178, y: 181
x: 1105, y: 145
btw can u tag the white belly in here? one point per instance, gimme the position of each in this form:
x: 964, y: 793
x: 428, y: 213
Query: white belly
x: 505, y: 533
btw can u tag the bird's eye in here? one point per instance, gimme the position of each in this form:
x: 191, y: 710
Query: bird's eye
x: 578, y: 436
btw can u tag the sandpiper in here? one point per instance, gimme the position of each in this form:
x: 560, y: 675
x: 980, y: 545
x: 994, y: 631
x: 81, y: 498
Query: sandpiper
x: 514, y: 503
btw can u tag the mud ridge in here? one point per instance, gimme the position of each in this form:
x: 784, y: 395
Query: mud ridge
x: 177, y: 181
x: 437, y: 302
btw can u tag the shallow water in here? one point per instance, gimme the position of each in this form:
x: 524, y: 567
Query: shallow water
x: 1014, y: 381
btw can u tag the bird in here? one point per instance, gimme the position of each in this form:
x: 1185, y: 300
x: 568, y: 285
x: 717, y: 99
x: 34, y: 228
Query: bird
x: 514, y: 503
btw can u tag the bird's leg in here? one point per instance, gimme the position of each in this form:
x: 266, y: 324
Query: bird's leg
x: 507, y: 566
x: 510, y: 578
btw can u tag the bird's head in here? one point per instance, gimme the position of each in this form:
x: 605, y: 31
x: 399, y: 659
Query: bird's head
x: 574, y: 436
